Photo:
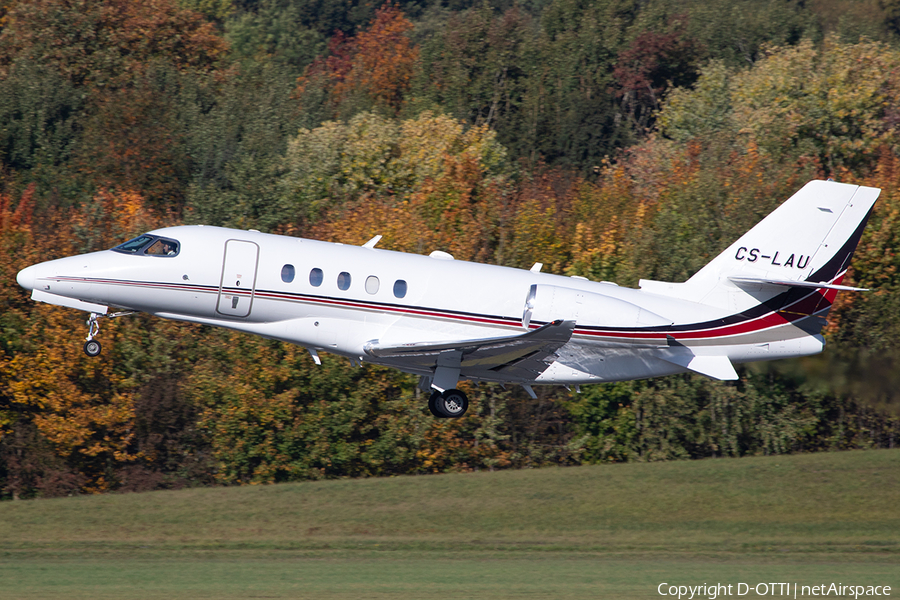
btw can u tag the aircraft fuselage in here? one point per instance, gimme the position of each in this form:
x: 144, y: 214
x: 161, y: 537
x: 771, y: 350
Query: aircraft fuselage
x: 232, y: 278
x: 764, y: 297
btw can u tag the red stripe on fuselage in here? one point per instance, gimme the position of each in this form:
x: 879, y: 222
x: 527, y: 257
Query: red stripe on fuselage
x: 816, y: 301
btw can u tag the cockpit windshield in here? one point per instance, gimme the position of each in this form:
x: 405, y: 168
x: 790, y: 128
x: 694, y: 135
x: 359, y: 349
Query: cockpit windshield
x: 134, y: 246
x: 149, y: 245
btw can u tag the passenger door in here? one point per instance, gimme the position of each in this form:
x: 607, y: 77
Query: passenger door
x: 238, y: 283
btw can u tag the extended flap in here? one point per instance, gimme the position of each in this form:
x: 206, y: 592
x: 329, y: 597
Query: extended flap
x: 522, y: 356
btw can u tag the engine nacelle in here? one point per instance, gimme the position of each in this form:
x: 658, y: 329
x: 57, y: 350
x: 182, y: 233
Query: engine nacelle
x: 547, y: 303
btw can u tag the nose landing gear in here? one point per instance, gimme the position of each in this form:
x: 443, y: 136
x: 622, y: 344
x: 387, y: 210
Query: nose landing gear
x: 91, y: 346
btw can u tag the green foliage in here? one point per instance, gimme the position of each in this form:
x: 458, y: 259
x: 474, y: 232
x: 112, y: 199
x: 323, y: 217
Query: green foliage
x: 704, y: 109
x: 830, y: 102
x: 478, y: 66
x: 292, y: 420
x: 276, y: 31
x: 214, y: 10
x: 376, y: 156
x: 767, y: 412
x: 737, y: 32
x: 101, y: 44
x: 236, y: 136
x: 721, y: 190
x: 605, y: 426
x: 40, y: 121
x: 612, y: 140
x: 89, y: 95
x: 572, y: 113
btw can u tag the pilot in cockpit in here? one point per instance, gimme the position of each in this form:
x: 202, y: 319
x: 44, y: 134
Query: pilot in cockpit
x: 161, y: 248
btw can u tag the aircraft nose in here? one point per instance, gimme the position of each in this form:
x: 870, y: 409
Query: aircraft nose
x: 26, y: 277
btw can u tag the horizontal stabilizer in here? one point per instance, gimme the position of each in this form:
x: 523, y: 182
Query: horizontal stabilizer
x: 715, y: 367
x: 803, y: 284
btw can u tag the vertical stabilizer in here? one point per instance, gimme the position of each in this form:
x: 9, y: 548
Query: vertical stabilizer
x: 808, y: 239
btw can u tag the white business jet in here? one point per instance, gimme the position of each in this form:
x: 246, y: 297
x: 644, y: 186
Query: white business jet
x: 765, y: 297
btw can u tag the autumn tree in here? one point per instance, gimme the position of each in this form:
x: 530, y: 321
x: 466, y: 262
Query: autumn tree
x: 830, y: 102
x: 111, y: 74
x: 505, y: 134
x: 651, y: 64
x: 80, y: 409
x: 103, y: 44
x: 374, y: 167
x: 373, y: 69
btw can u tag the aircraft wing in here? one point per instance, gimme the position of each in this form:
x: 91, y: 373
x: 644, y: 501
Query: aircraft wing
x: 518, y: 357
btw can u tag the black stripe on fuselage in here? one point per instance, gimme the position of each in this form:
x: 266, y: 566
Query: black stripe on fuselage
x: 773, y: 305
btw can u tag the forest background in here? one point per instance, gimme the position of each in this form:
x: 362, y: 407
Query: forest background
x: 610, y: 139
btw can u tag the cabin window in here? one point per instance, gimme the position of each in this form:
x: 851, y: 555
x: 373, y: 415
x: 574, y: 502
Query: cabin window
x: 372, y: 284
x: 399, y: 288
x: 162, y: 247
x: 287, y: 273
x: 316, y: 277
x: 344, y: 281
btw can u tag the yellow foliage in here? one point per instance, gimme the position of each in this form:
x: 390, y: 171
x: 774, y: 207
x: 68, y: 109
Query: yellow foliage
x: 84, y: 407
x: 830, y: 101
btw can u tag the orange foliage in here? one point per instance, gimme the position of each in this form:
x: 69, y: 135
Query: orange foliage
x: 83, y: 407
x: 121, y: 54
x: 378, y: 62
x: 540, y: 221
x: 113, y: 217
x: 107, y: 42
x: 80, y: 405
x: 385, y: 57
x: 876, y: 262
x: 458, y: 212
x: 130, y: 142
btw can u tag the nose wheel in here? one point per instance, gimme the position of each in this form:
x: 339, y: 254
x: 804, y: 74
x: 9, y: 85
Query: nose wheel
x: 92, y: 348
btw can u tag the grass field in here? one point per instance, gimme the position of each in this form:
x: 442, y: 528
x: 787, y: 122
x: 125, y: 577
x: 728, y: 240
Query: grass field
x: 614, y: 531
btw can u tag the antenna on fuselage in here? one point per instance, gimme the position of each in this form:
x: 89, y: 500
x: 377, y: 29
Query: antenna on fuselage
x: 371, y: 243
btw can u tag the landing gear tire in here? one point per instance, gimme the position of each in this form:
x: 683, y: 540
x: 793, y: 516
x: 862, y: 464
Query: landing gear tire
x: 432, y: 404
x: 92, y: 348
x: 452, y: 404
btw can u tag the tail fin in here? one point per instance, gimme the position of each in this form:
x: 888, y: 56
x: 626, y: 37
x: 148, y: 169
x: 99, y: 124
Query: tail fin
x: 808, y: 240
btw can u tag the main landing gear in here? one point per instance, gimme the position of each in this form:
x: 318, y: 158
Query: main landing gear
x: 451, y: 404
